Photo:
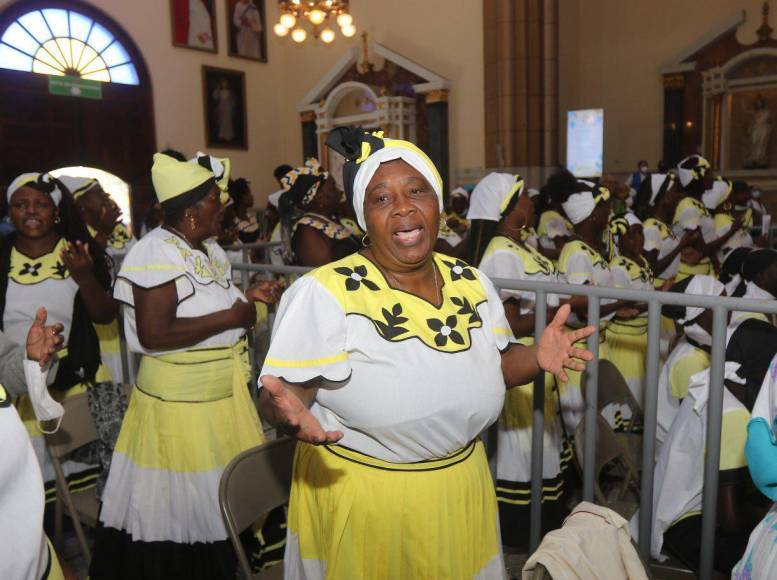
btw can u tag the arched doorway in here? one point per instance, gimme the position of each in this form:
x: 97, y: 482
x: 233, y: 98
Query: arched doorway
x: 42, y: 129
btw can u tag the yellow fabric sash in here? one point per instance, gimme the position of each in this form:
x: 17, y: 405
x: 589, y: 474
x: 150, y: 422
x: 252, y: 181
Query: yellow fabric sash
x: 196, y: 376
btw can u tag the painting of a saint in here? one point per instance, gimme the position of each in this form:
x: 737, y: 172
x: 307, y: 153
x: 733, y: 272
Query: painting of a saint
x: 759, y: 132
x: 194, y: 24
x: 225, y: 109
x: 247, y: 29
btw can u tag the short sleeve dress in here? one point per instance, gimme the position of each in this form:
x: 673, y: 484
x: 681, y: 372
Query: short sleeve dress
x: 508, y: 259
x: 411, y: 385
x: 189, y: 415
x: 627, y: 338
x: 579, y: 263
x: 691, y: 215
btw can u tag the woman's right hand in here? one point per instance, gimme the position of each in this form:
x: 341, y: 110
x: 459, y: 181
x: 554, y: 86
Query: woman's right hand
x: 291, y: 415
x: 244, y: 314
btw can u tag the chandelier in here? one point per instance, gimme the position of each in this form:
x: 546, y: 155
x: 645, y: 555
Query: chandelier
x: 320, y: 14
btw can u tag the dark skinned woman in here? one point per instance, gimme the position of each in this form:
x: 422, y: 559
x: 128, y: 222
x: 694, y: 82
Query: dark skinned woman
x: 103, y: 219
x: 626, y: 335
x: 692, y: 215
x: 510, y: 256
x: 51, y: 261
x: 312, y: 232
x: 583, y: 261
x: 190, y: 412
x: 393, y: 360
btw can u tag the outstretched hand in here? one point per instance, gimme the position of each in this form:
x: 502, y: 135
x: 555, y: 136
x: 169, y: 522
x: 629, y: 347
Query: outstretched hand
x: 556, y: 349
x: 292, y: 416
x: 43, y: 341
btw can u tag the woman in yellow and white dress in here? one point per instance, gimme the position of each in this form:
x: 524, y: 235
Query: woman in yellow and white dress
x: 583, y: 261
x: 626, y: 334
x: 103, y: 219
x: 190, y: 412
x: 393, y: 360
x: 51, y: 261
x: 508, y: 256
x: 730, y: 209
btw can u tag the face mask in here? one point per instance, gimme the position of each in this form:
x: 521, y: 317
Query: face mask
x: 642, y: 169
x: 46, y: 408
x: 761, y: 452
x: 740, y: 208
x: 756, y: 193
x: 698, y: 335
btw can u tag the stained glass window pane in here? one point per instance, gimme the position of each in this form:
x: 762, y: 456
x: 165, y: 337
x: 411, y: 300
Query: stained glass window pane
x: 95, y: 65
x: 79, y: 47
x: 79, y: 26
x: 17, y: 37
x: 49, y: 54
x: 115, y: 54
x: 33, y: 21
x: 100, y: 38
x: 46, y: 69
x: 13, y: 59
x: 57, y: 21
x: 98, y: 75
x: 124, y: 74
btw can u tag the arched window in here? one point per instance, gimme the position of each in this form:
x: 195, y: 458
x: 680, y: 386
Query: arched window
x: 60, y: 42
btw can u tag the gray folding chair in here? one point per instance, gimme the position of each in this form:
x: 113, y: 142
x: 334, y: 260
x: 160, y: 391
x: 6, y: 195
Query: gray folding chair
x: 609, y: 450
x: 255, y: 482
x: 76, y: 430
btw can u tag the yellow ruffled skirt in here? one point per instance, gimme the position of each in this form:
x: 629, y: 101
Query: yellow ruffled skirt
x: 354, y: 516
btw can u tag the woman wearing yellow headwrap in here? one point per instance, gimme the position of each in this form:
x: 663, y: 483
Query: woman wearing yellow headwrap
x: 395, y: 358
x: 626, y: 334
x: 312, y: 231
x: 190, y: 412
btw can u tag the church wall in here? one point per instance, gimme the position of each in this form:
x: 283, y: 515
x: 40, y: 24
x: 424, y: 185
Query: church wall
x: 611, y: 53
x: 444, y: 36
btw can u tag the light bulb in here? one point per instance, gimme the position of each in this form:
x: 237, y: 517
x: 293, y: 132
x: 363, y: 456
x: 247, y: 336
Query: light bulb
x: 344, y: 20
x: 327, y: 35
x: 280, y: 30
x: 348, y: 31
x: 299, y: 35
x: 288, y: 20
x: 316, y: 16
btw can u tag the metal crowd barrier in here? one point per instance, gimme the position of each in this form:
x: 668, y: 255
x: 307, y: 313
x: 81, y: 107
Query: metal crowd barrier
x: 655, y: 300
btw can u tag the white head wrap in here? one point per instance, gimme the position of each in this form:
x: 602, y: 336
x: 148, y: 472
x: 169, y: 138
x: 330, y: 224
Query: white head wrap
x: 717, y: 194
x: 488, y: 195
x: 581, y: 205
x: 657, y: 181
x: 460, y: 192
x: 45, y: 180
x: 692, y: 167
x: 705, y: 286
x: 393, y: 149
x: 533, y: 192
x: 273, y: 198
x: 78, y: 186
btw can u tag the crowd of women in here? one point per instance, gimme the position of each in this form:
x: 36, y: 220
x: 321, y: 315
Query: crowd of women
x: 386, y: 361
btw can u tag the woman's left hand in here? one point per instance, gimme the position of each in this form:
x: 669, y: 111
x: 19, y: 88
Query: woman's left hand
x: 556, y: 349
x: 267, y: 291
x: 77, y: 260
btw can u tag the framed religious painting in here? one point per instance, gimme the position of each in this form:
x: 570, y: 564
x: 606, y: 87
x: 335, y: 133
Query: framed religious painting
x: 224, y: 98
x: 194, y: 24
x: 247, y: 29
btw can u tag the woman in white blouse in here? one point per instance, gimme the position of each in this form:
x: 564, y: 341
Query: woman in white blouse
x: 393, y: 360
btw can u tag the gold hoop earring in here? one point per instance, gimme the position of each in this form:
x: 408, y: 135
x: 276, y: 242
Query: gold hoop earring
x: 57, y: 220
x: 366, y: 240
